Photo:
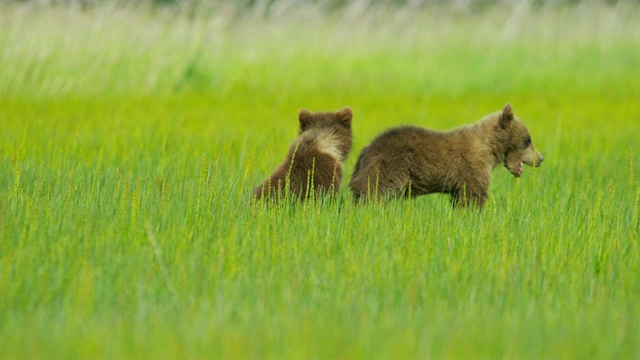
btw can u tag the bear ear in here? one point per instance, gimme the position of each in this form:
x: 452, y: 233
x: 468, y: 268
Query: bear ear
x: 507, y: 115
x: 304, y: 116
x: 345, y: 115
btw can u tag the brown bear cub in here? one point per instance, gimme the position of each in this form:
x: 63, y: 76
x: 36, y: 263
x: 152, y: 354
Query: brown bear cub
x: 313, y: 165
x: 413, y: 161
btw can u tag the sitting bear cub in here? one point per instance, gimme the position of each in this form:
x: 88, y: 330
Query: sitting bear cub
x: 313, y: 164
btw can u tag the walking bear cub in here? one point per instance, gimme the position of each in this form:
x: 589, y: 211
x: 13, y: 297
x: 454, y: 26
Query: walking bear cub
x: 313, y: 164
x: 413, y: 161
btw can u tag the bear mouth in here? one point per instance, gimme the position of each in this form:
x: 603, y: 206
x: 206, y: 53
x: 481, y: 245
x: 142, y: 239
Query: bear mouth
x: 516, y: 172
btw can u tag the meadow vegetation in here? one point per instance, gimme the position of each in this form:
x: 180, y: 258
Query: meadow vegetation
x: 131, y: 138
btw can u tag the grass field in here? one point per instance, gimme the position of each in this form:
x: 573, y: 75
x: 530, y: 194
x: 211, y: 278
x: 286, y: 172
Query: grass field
x: 130, y: 140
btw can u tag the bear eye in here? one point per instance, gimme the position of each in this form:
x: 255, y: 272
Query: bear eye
x: 527, y: 141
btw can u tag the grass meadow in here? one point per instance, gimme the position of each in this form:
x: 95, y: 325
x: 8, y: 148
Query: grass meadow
x: 131, y: 138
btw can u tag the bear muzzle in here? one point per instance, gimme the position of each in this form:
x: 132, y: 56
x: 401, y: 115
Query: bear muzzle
x: 535, y: 160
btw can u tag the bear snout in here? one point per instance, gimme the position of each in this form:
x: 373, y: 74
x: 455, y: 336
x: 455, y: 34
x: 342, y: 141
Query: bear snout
x: 534, y: 158
x: 538, y: 159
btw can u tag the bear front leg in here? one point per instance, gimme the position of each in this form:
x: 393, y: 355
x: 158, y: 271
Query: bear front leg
x: 464, y: 199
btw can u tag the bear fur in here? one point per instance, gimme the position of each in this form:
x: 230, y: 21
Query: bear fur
x: 413, y: 161
x: 313, y: 165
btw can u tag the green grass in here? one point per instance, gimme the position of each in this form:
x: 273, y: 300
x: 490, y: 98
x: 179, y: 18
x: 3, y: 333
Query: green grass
x: 130, y: 140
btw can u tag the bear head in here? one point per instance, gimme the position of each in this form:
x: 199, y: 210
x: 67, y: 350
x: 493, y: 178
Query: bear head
x: 519, y: 148
x: 337, y: 124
